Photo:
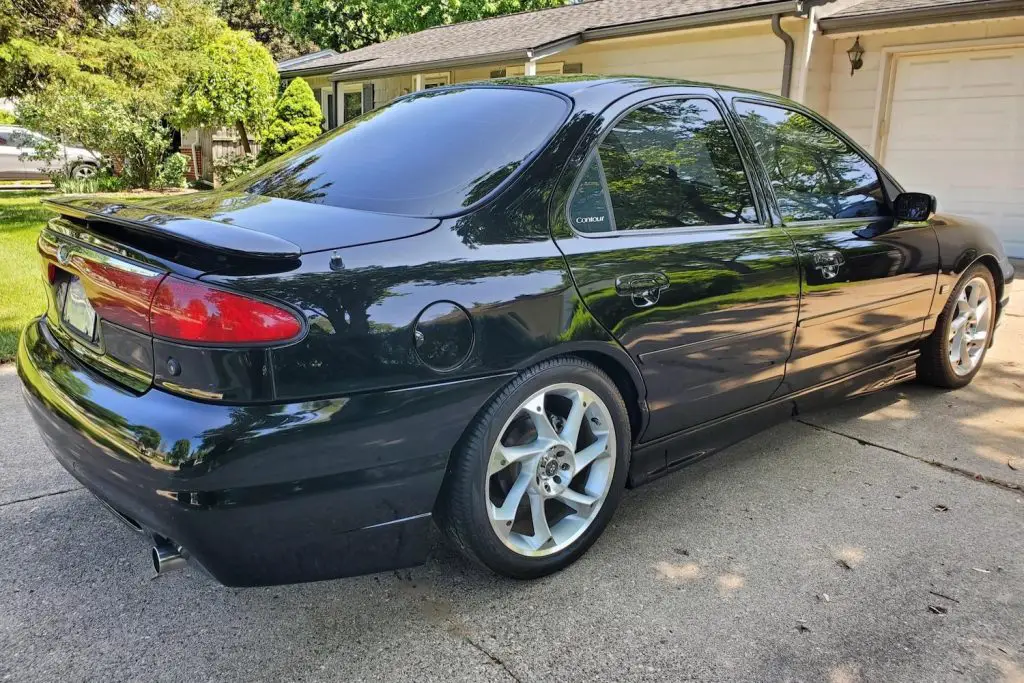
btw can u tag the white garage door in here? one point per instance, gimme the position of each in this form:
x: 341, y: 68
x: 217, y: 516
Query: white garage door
x: 957, y: 131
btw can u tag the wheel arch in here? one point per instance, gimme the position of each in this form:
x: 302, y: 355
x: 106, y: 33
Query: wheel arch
x: 608, y: 357
x: 971, y: 258
x: 613, y: 361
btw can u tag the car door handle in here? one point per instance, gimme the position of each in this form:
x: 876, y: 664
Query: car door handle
x: 644, y: 289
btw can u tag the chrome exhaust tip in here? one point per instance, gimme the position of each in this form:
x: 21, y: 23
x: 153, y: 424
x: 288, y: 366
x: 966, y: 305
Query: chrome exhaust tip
x: 167, y: 555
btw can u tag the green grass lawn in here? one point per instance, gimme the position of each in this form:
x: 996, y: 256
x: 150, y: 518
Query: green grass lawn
x: 21, y: 286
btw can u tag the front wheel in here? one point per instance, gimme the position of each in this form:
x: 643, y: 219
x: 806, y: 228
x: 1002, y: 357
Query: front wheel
x: 540, y: 473
x: 953, y: 354
x: 84, y: 171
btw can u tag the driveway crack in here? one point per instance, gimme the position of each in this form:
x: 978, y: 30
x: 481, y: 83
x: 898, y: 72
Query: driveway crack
x: 41, y: 495
x: 494, y: 658
x: 973, y: 476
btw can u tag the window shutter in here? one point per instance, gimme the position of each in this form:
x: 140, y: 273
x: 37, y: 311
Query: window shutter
x: 368, y: 97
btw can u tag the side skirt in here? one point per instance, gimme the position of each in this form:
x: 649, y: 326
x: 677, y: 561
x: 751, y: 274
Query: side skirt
x: 659, y: 457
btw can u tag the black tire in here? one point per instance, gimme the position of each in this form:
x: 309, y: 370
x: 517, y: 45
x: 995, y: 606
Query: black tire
x: 461, y: 510
x: 82, y: 170
x: 934, y: 367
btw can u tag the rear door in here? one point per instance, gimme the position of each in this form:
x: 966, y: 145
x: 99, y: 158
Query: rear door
x: 868, y: 281
x: 27, y: 143
x: 10, y: 163
x: 671, y: 249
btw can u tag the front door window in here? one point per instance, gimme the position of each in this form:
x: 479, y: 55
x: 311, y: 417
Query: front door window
x: 815, y: 174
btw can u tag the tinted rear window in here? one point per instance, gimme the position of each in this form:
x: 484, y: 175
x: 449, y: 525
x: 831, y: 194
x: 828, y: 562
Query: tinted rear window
x: 432, y: 154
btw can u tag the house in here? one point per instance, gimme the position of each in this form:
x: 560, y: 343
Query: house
x: 933, y: 88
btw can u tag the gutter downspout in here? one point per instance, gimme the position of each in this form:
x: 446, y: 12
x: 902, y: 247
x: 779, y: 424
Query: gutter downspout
x: 787, y: 60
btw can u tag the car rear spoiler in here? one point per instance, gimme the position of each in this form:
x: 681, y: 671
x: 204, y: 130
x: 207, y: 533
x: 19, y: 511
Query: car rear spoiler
x: 209, y: 234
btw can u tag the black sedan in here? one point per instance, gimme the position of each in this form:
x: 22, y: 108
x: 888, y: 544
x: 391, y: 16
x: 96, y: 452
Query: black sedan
x: 491, y: 307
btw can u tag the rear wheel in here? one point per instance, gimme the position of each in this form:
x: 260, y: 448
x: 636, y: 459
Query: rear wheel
x: 84, y: 171
x: 540, y: 473
x: 953, y: 354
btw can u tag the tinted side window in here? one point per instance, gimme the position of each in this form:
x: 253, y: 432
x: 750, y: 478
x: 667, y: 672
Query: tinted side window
x: 815, y: 174
x: 588, y: 210
x: 674, y: 164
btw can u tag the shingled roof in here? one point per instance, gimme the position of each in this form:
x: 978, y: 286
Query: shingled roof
x: 524, y: 34
x: 869, y: 14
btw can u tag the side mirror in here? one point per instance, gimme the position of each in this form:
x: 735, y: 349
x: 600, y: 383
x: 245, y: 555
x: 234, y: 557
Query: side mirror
x: 914, y: 206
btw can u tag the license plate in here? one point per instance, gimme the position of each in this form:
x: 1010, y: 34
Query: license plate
x: 78, y: 313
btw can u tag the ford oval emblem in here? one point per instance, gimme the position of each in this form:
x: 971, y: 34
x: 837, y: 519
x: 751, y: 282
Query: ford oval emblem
x: 63, y: 254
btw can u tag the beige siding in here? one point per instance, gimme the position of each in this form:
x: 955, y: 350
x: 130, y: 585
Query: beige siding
x: 746, y: 57
x: 316, y: 82
x: 475, y: 73
x: 853, y: 99
x: 387, y: 89
x: 812, y: 68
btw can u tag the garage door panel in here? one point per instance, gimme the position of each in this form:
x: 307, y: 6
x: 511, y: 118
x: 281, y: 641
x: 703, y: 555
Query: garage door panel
x: 956, y: 129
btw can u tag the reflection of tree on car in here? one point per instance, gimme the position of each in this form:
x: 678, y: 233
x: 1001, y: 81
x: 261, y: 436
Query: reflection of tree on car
x: 815, y: 174
x: 664, y: 164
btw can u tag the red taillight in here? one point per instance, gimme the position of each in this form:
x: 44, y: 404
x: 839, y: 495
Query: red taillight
x: 118, y: 294
x: 192, y: 312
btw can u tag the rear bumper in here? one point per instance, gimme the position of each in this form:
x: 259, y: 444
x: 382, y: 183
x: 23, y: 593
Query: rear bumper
x: 263, y: 494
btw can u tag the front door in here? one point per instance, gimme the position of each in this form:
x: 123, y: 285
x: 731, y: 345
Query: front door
x: 868, y: 281
x: 673, y: 255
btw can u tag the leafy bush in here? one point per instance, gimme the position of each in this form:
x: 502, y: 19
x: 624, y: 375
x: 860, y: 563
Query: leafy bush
x: 120, y: 130
x: 48, y: 152
x: 296, y: 122
x: 114, y: 76
x: 104, y: 181
x: 67, y: 185
x: 172, y: 171
x: 233, y: 166
x: 7, y: 118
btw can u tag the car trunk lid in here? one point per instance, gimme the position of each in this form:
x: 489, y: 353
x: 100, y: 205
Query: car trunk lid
x: 247, y: 226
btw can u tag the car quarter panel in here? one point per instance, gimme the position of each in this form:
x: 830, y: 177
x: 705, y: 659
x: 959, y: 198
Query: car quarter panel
x: 963, y: 242
x: 484, y: 293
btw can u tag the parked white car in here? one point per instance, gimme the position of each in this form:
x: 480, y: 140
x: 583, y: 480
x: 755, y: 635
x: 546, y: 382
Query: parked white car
x: 17, y: 145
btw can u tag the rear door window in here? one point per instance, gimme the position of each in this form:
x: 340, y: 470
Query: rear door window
x: 669, y: 164
x: 816, y: 175
x: 431, y: 154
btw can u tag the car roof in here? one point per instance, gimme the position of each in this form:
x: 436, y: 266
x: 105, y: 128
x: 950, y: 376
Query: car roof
x: 574, y: 84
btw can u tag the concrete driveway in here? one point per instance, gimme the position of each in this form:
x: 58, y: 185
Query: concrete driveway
x: 882, y: 540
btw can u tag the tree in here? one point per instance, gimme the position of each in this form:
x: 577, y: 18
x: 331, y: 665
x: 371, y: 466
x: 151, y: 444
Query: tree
x: 243, y: 15
x: 234, y: 82
x: 357, y: 23
x: 106, y: 79
x: 111, y: 74
x: 296, y: 122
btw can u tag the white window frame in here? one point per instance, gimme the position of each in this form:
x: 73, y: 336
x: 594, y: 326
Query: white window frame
x: 348, y: 89
x: 542, y: 69
x: 432, y: 80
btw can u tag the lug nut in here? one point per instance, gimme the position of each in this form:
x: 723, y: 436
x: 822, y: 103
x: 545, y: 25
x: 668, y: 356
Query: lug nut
x: 565, y: 466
